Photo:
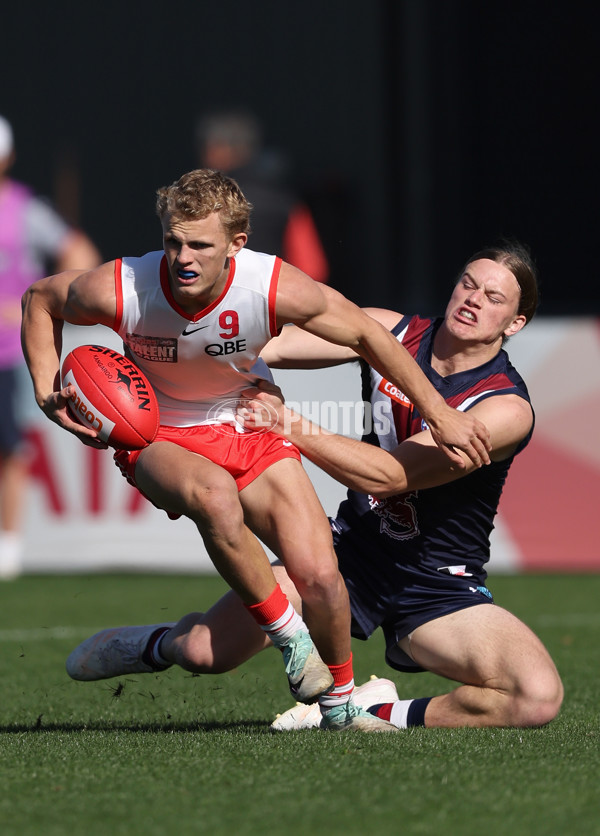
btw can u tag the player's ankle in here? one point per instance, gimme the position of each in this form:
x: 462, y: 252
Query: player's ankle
x: 403, y: 714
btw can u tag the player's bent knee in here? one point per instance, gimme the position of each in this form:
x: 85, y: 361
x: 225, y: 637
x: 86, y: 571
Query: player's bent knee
x: 536, y: 714
x: 216, y: 508
x: 321, y: 584
x: 550, y: 706
x: 541, y: 700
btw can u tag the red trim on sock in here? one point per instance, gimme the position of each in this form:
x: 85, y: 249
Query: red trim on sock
x: 384, y: 711
x: 342, y: 673
x: 269, y: 610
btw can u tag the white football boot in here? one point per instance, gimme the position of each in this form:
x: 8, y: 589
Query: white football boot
x: 301, y: 716
x: 113, y: 652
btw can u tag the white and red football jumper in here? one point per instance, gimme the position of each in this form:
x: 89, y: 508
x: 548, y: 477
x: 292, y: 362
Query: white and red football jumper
x: 197, y: 366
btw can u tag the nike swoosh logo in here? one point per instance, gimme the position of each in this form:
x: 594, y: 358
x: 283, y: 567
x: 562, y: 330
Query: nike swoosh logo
x: 186, y: 332
x: 295, y: 688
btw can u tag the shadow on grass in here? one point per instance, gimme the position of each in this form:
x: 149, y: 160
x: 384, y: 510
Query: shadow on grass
x: 39, y: 726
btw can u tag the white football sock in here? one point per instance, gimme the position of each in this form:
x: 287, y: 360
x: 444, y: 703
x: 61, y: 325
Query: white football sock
x: 399, y: 713
x: 282, y: 630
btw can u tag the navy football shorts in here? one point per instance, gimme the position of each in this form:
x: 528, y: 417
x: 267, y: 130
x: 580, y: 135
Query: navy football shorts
x: 400, y: 598
x: 11, y: 434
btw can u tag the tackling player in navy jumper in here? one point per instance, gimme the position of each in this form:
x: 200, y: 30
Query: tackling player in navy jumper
x: 431, y: 545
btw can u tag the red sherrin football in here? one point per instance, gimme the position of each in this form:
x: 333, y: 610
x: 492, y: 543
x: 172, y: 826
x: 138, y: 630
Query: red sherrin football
x: 113, y: 396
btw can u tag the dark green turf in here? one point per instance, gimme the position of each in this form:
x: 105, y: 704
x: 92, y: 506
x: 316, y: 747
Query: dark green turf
x: 181, y: 754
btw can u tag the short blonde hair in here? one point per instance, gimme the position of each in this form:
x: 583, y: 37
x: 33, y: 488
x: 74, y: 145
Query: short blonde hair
x: 201, y: 192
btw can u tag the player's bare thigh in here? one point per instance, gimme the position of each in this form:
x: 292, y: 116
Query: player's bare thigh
x: 482, y: 645
x: 179, y: 480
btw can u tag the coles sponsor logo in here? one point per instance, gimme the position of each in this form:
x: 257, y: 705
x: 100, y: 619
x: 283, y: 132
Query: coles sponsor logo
x: 87, y: 413
x: 394, y: 393
x: 84, y: 411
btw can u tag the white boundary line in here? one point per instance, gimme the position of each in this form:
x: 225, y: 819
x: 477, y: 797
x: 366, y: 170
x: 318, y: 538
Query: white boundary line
x: 62, y: 632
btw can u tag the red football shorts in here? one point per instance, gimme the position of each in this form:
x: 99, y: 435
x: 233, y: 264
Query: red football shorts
x: 244, y: 455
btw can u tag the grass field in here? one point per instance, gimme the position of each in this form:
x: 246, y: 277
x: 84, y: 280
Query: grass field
x: 181, y: 754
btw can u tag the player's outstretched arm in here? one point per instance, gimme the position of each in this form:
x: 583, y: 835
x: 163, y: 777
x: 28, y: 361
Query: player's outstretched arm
x: 415, y: 464
x: 75, y: 297
x: 324, y: 312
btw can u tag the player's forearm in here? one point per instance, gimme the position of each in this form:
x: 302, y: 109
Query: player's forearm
x: 41, y: 340
x: 294, y: 348
x: 360, y: 466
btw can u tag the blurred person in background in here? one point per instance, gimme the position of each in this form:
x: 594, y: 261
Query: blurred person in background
x: 32, y: 235
x: 231, y: 141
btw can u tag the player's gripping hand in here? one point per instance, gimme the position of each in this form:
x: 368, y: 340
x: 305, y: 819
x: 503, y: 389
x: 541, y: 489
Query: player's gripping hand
x: 56, y: 408
x: 453, y: 431
x: 262, y: 407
